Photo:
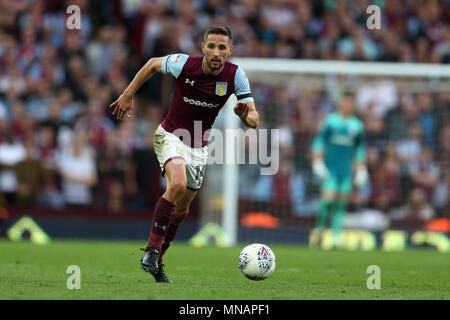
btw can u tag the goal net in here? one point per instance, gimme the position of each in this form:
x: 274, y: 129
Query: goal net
x: 405, y: 109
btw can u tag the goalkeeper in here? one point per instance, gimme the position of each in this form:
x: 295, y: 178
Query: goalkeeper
x: 337, y: 150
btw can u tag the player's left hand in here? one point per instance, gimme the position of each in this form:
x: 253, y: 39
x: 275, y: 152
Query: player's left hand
x: 122, y: 106
x: 241, y: 109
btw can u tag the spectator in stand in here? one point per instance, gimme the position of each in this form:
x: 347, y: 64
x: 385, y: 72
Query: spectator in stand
x: 441, y: 196
x: 52, y: 77
x: 30, y: 176
x: 375, y: 98
x: 96, y: 125
x: 426, y: 119
x: 424, y: 172
x: 47, y: 67
x: 399, y: 119
x: 76, y: 74
x: 4, y: 125
x: 70, y: 107
x: 441, y: 115
x: 20, y: 123
x: 112, y: 165
x: 410, y: 148
x: 79, y: 175
x: 385, y: 180
x: 417, y: 207
x: 14, y: 81
x: 11, y: 153
x: 357, y: 45
x: 282, y: 190
x: 144, y: 168
x: 444, y: 145
x: 442, y: 49
x: 376, y: 134
x: 38, y: 104
x: 100, y: 52
x: 46, y: 147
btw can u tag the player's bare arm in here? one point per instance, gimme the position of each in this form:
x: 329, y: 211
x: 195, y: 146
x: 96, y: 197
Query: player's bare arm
x: 124, y: 104
x: 247, y: 113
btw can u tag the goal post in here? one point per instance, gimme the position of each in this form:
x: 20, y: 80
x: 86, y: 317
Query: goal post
x: 392, y: 69
x: 284, y: 88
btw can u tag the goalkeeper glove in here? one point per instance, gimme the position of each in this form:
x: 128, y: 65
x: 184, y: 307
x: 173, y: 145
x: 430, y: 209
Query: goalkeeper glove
x: 320, y: 169
x: 361, y: 176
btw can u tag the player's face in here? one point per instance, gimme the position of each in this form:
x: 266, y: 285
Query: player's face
x: 346, y: 106
x: 217, y: 49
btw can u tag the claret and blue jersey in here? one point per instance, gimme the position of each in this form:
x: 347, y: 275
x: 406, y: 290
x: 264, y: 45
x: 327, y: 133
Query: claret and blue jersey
x: 198, y: 96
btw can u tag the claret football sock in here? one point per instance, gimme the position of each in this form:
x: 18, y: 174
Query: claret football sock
x: 163, y: 214
x: 170, y: 235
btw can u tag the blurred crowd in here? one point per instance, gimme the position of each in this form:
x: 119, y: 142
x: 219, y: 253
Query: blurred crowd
x: 60, y: 146
x: 407, y: 142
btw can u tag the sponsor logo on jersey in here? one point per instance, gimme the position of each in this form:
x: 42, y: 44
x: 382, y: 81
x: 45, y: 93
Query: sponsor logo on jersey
x: 221, y: 88
x: 341, y: 139
x: 200, y: 103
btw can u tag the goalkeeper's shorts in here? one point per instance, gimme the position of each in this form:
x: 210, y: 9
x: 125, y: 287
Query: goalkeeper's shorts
x: 338, y: 185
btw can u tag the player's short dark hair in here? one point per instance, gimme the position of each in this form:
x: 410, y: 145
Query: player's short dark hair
x: 348, y: 94
x: 218, y: 29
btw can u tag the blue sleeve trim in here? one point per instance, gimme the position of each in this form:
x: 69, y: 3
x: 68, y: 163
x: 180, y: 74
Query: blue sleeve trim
x: 242, y: 86
x: 174, y: 63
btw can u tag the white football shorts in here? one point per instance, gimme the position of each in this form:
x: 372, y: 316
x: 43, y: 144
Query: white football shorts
x: 168, y: 146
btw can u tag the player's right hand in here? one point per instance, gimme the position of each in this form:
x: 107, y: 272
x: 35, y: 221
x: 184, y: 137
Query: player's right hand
x: 241, y: 109
x: 123, y: 105
x: 320, y: 169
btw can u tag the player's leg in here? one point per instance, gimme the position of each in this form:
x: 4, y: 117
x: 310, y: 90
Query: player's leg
x: 327, y: 199
x: 344, y: 190
x: 196, y: 159
x: 195, y: 169
x: 175, y: 174
x: 195, y: 166
x: 181, y: 212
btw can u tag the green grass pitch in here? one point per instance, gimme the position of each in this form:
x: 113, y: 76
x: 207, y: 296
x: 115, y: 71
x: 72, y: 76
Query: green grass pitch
x: 110, y: 270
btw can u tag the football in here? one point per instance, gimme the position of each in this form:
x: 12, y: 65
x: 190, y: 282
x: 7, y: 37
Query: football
x: 257, y: 261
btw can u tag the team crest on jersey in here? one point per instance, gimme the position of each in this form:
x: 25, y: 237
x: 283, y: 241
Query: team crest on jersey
x: 221, y: 88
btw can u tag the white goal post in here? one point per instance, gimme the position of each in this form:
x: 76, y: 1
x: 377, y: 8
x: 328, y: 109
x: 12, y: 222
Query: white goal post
x: 343, y: 67
x: 266, y: 67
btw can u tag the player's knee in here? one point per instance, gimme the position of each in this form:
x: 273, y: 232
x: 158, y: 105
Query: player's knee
x: 178, y: 187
